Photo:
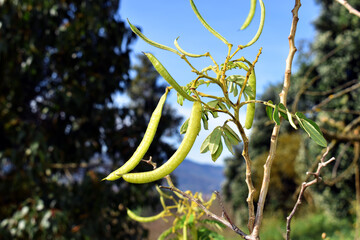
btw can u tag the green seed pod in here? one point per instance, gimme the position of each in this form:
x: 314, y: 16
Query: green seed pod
x: 250, y: 15
x: 155, y: 44
x: 261, y: 25
x: 137, y: 218
x: 179, y: 155
x: 144, y: 144
x: 166, y: 75
x: 250, y: 110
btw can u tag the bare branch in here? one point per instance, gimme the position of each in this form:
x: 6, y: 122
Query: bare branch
x: 304, y: 185
x: 349, y: 7
x: 274, y: 136
x: 336, y: 95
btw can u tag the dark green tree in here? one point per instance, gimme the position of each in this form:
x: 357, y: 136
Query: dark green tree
x: 329, y: 86
x: 61, y: 64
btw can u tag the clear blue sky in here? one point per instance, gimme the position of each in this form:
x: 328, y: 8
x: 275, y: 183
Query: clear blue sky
x: 165, y: 20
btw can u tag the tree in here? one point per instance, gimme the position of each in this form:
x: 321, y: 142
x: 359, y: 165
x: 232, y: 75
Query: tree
x: 61, y: 64
x: 326, y: 88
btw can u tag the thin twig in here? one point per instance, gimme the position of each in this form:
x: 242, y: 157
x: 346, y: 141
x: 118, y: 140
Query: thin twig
x: 304, y: 85
x: 275, y: 133
x: 349, y: 7
x: 305, y: 185
x: 336, y: 95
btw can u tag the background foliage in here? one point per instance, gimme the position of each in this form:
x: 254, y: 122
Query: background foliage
x: 326, y: 66
x: 62, y: 62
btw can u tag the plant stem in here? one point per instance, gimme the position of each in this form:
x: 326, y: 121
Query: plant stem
x: 275, y: 133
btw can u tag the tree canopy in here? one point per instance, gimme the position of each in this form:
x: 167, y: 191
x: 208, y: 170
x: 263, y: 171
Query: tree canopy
x: 61, y: 65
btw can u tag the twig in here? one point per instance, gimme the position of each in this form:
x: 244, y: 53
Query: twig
x: 303, y: 188
x: 349, y: 7
x: 349, y: 169
x: 274, y: 136
x: 226, y: 222
x: 304, y: 85
x: 336, y: 95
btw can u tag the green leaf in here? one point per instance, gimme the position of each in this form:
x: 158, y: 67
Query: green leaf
x: 276, y: 115
x: 314, y: 132
x: 214, y: 114
x: 291, y: 120
x: 222, y: 106
x: 184, y: 127
x: 228, y: 143
x: 269, y: 111
x: 236, y: 92
x: 283, y: 114
x: 215, y: 140
x: 205, y: 118
x: 205, y: 145
x: 218, y: 152
x: 300, y: 116
x: 213, y: 103
x: 231, y: 134
x: 180, y: 99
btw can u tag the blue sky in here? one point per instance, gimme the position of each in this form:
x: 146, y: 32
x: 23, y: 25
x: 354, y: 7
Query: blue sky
x: 165, y: 20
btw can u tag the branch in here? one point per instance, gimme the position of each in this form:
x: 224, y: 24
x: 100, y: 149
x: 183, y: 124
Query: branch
x: 276, y: 129
x: 340, y: 137
x: 303, y: 188
x: 336, y: 95
x: 349, y: 7
x: 226, y: 222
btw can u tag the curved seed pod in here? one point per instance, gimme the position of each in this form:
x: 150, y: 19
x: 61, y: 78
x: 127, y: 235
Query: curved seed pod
x: 250, y: 110
x: 155, y: 44
x: 186, y: 53
x: 206, y: 25
x: 137, y: 218
x: 144, y: 144
x: 166, y: 75
x: 179, y: 155
x: 250, y: 15
x: 261, y: 25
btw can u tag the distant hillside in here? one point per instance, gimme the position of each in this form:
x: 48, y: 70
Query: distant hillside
x: 196, y: 177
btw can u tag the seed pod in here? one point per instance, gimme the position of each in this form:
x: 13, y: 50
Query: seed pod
x: 179, y: 155
x: 250, y: 15
x: 261, y: 25
x: 144, y: 144
x: 137, y: 218
x: 250, y: 110
x: 166, y: 75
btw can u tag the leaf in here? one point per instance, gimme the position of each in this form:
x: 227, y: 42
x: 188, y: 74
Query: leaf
x: 314, y: 133
x: 205, y: 145
x: 184, y: 127
x: 236, y: 92
x: 228, y: 143
x: 214, y: 114
x: 215, y: 140
x: 213, y: 103
x: 222, y: 106
x: 276, y: 115
x: 218, y: 152
x: 180, y: 99
x: 205, y: 118
x: 284, y: 115
x: 269, y: 111
x: 312, y: 129
x: 231, y: 134
x: 291, y: 120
